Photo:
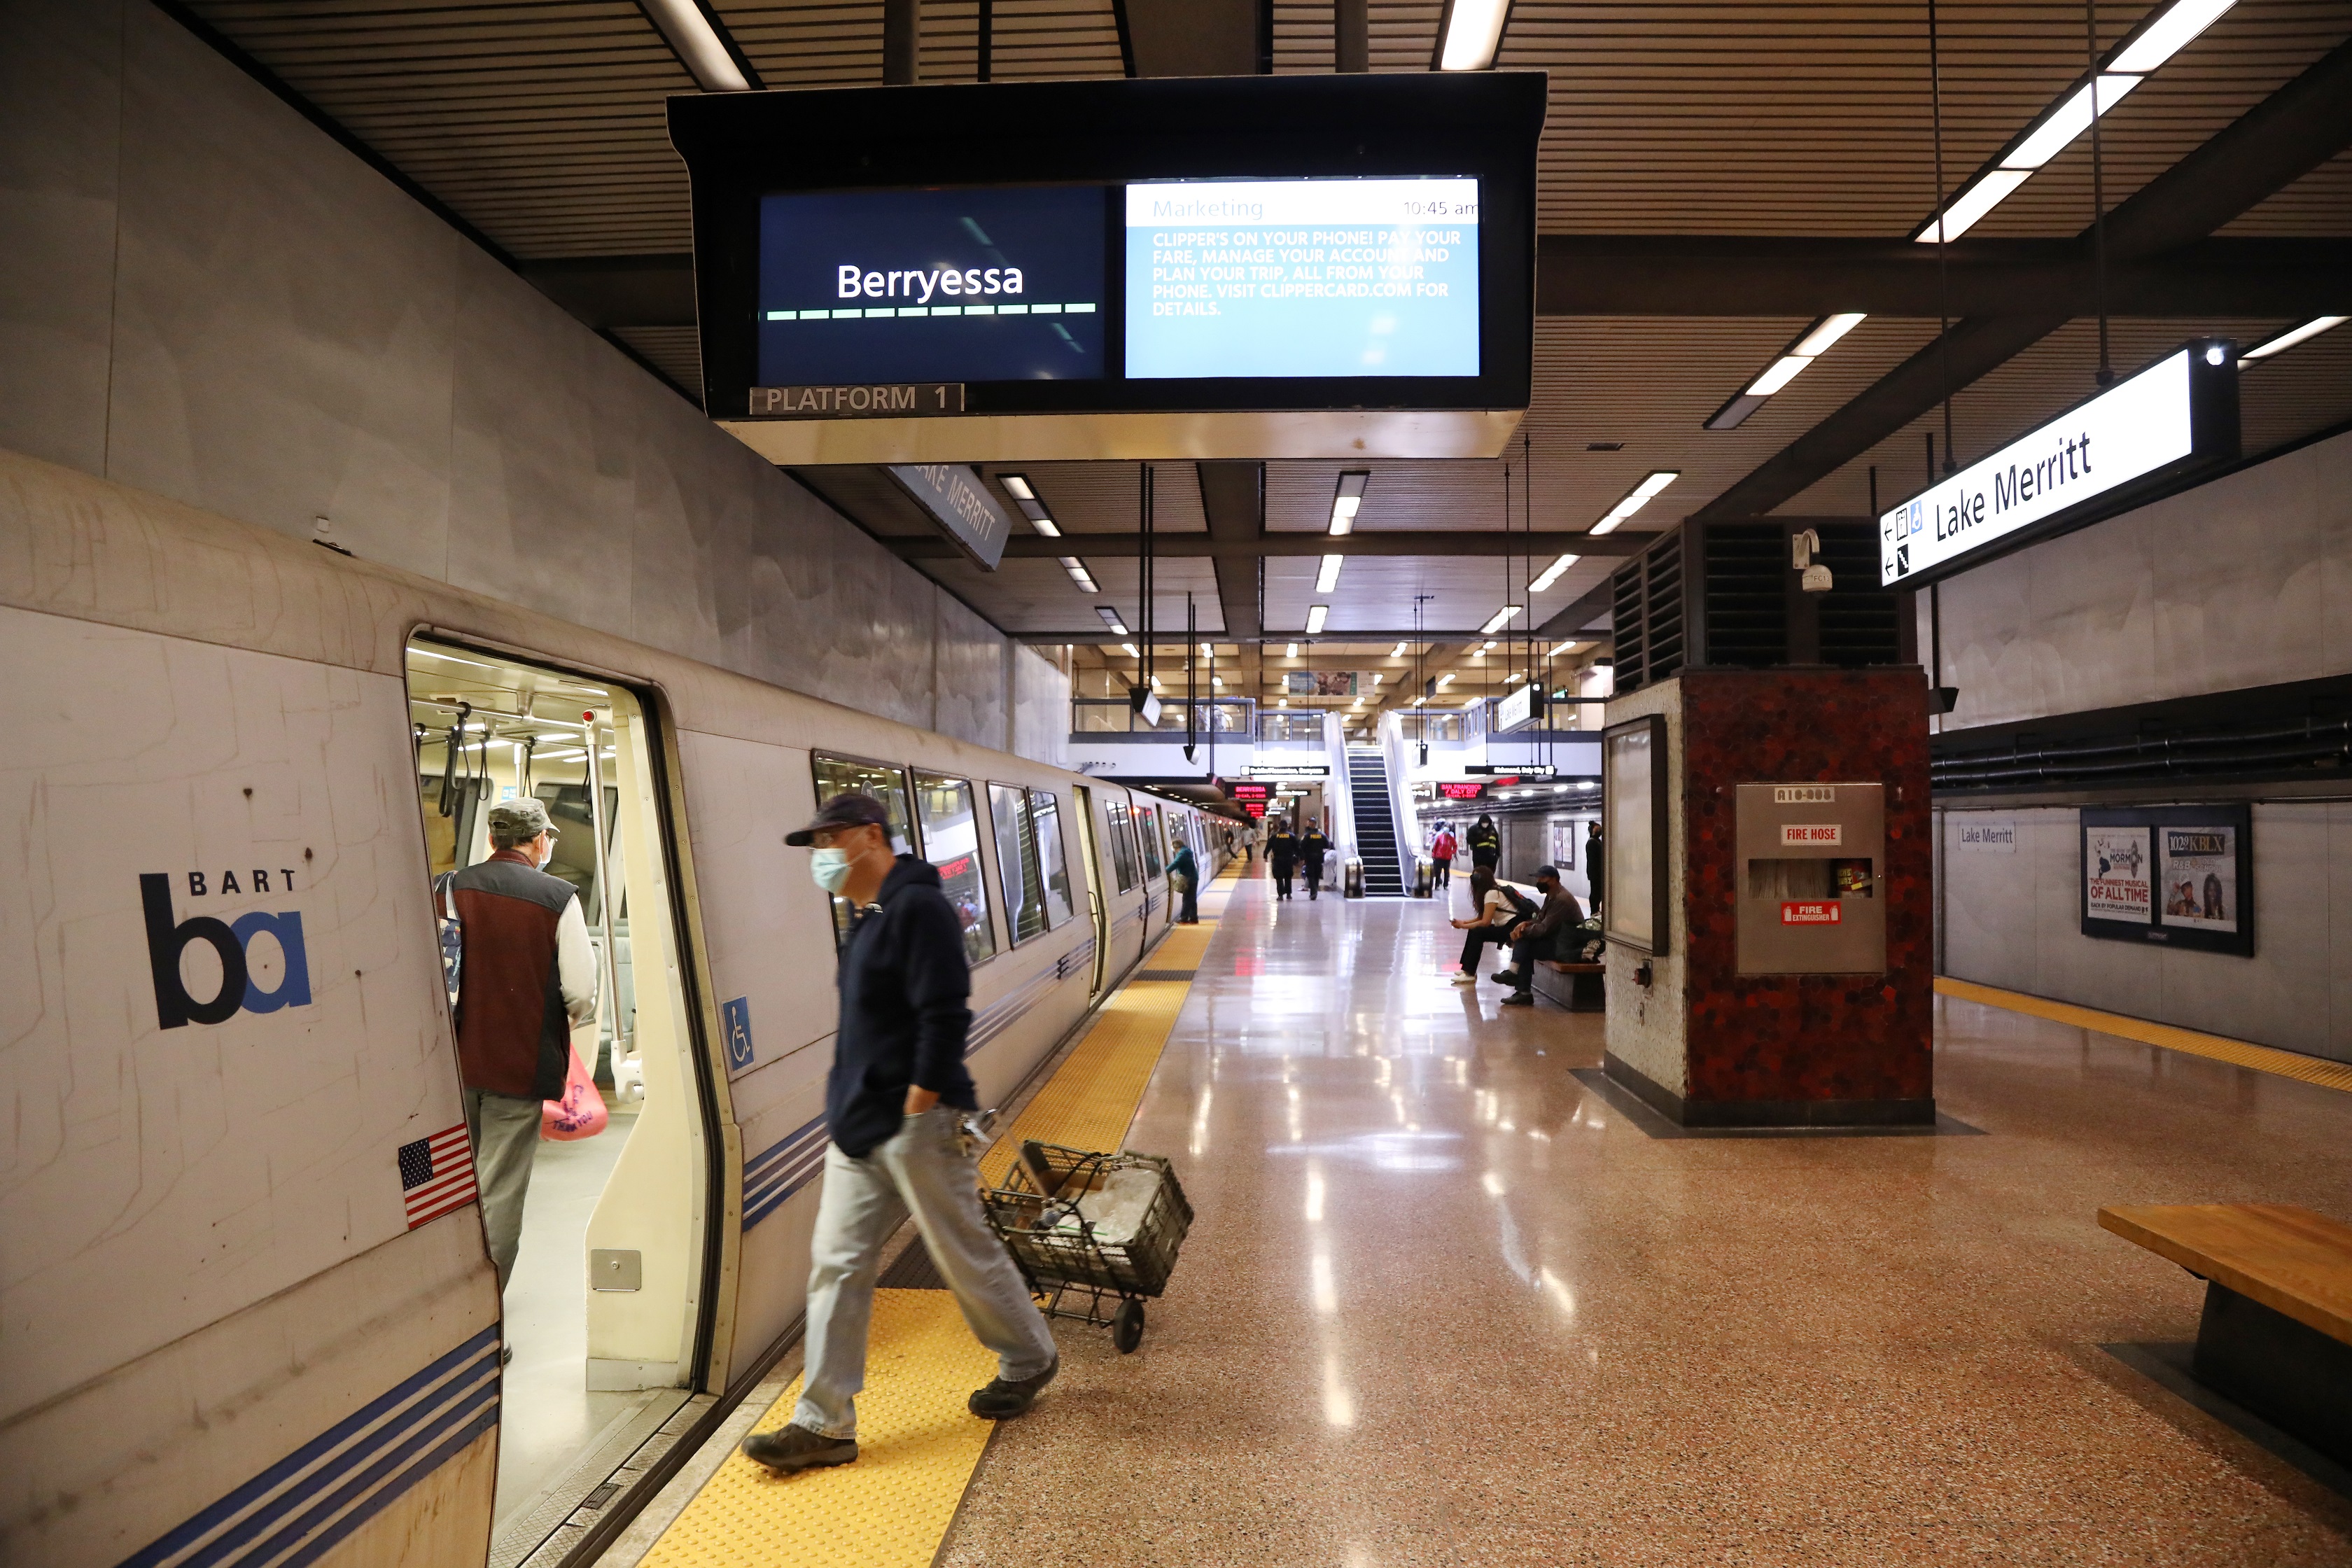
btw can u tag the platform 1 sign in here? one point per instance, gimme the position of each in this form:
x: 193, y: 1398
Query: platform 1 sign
x: 2176, y: 416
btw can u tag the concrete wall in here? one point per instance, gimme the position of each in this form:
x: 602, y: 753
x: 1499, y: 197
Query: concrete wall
x: 2014, y: 921
x: 203, y: 296
x: 2243, y: 581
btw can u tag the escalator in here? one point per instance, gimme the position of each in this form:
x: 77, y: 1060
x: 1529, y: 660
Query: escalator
x: 1376, y: 839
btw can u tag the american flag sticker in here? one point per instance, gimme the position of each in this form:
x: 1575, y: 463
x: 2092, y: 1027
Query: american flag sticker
x: 436, y: 1175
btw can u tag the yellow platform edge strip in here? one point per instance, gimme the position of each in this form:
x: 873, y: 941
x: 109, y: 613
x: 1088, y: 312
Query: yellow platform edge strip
x: 2216, y: 1047
x: 918, y: 1444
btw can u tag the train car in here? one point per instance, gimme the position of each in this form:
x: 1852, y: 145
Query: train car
x: 249, y: 1316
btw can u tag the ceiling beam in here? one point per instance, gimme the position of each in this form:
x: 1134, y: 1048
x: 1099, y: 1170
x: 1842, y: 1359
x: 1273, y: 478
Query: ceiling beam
x: 1239, y: 547
x: 1710, y: 275
x: 1232, y: 500
x: 2277, y: 141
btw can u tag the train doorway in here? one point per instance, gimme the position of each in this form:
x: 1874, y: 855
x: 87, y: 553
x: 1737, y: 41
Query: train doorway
x: 1098, y: 906
x: 601, y: 1306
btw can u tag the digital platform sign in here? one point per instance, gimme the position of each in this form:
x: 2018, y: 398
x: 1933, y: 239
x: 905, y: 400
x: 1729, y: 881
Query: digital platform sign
x: 1277, y: 267
x: 864, y: 287
x: 1294, y: 278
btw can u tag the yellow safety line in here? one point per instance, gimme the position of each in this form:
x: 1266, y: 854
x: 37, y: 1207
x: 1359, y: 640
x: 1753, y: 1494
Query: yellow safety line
x: 2219, y: 1048
x: 918, y: 1444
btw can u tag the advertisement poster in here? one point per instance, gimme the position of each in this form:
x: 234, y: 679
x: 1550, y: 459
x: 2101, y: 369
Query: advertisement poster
x: 2182, y: 876
x: 2115, y: 873
x: 2200, y: 876
x: 1320, y: 683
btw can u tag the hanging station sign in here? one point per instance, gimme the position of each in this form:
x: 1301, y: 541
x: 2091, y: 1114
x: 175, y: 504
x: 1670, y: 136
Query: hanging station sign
x: 2107, y: 453
x: 1518, y: 711
x: 954, y: 497
x: 1289, y: 771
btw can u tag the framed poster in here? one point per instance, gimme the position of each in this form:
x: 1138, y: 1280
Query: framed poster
x: 1634, y: 806
x: 2180, y: 875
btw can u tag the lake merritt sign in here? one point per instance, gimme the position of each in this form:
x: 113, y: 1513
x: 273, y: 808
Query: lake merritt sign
x: 2177, y: 416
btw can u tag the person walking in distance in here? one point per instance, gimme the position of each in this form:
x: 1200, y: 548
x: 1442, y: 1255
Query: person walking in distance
x: 1282, y: 858
x: 890, y: 1105
x: 1313, y: 844
x: 1441, y: 858
x: 526, y: 979
x: 1486, y: 845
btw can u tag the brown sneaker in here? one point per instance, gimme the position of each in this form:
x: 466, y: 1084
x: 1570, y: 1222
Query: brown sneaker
x: 1004, y: 1398
x: 790, y: 1448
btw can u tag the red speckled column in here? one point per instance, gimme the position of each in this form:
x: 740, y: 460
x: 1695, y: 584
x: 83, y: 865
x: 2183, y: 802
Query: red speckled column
x: 1794, y: 1049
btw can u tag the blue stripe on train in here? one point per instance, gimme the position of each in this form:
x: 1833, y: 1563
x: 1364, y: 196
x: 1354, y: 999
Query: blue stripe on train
x: 776, y: 1172
x: 296, y: 1510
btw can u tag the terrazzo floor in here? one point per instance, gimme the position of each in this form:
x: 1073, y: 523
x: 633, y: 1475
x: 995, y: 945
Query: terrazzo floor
x: 1444, y: 1305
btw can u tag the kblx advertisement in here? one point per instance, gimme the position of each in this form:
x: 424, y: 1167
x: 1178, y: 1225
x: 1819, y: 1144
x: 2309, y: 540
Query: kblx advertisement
x: 2182, y: 876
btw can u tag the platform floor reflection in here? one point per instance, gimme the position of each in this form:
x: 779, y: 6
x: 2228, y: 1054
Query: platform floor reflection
x: 1444, y: 1305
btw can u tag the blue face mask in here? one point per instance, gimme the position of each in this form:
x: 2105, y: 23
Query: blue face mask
x: 831, y: 868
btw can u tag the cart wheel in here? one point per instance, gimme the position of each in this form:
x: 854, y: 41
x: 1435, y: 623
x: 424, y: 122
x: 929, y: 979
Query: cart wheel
x: 1127, y: 1326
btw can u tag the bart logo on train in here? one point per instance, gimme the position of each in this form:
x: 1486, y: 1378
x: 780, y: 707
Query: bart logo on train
x: 231, y: 941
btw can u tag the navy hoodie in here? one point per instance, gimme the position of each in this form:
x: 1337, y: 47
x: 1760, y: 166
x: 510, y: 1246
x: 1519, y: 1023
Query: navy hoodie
x: 905, y: 989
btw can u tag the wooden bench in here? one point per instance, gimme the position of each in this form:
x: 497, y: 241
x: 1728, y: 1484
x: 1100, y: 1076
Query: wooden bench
x: 2276, y: 1333
x: 1575, y: 986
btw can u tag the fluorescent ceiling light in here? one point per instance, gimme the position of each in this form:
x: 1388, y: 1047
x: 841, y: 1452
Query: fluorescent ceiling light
x: 1638, y: 497
x: 1489, y: 642
x: 1551, y: 573
x: 1329, y: 578
x: 1419, y: 701
x: 1316, y: 615
x: 1213, y: 681
x: 1110, y: 619
x: 1129, y: 648
x: 1046, y: 526
x: 1291, y: 650
x: 2167, y: 34
x: 1564, y: 647
x: 1784, y: 371
x: 1514, y: 679
x: 1446, y: 680
x: 2068, y: 120
x: 1378, y: 677
x: 1816, y: 344
x: 1018, y: 485
x: 1078, y: 573
x: 1347, y: 500
x: 1500, y: 619
x: 697, y: 45
x: 1473, y: 31
x: 2292, y: 335
x: 1973, y: 204
x: 1207, y: 651
x: 1398, y: 651
x: 1284, y: 703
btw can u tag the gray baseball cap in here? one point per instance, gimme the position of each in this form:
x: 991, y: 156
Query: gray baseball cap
x: 523, y: 818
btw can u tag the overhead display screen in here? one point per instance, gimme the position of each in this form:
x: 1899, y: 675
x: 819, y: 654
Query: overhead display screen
x: 1302, y: 278
x: 906, y: 286
x: 1188, y: 268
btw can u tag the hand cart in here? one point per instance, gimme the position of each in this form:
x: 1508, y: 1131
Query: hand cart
x: 1077, y: 1272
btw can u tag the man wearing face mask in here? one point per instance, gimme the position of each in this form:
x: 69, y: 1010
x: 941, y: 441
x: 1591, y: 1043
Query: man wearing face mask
x: 527, y: 979
x: 892, y: 1106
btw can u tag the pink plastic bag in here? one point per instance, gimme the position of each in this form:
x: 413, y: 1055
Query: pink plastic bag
x: 580, y: 1112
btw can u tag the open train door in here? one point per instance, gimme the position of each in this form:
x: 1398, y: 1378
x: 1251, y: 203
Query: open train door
x: 1098, y: 909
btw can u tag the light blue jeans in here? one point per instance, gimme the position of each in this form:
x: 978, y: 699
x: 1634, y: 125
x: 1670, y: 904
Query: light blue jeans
x: 925, y: 1168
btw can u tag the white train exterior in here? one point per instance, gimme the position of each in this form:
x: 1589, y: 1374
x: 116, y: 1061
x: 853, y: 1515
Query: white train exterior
x: 228, y: 1335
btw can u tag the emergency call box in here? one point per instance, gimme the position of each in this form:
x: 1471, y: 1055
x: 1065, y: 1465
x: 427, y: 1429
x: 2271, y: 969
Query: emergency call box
x: 1812, y: 879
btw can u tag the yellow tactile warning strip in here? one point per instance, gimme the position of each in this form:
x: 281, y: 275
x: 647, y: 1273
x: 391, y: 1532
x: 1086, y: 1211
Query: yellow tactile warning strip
x: 2237, y: 1053
x: 1092, y: 1097
x: 916, y: 1446
x: 917, y: 1441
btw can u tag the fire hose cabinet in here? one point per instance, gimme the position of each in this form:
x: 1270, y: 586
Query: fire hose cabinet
x: 1812, y: 879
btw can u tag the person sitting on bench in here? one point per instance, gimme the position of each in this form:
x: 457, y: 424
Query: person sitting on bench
x: 1545, y: 936
x: 1500, y: 907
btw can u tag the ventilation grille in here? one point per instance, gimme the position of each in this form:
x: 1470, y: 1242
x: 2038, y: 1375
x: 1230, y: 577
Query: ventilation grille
x: 1747, y: 594
x: 1858, y: 618
x: 1646, y: 604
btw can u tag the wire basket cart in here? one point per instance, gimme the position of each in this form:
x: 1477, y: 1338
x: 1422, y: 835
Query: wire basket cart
x: 1079, y: 1270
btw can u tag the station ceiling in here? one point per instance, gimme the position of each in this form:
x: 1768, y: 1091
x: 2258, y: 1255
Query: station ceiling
x: 1714, y: 178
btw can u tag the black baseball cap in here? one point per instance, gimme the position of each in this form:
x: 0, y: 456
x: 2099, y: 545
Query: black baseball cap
x: 1543, y: 871
x: 850, y: 808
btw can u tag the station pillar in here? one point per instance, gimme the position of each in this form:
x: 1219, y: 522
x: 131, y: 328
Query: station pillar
x: 1770, y: 915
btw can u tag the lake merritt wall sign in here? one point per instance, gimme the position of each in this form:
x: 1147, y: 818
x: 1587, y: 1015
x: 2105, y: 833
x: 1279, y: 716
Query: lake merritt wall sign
x: 2177, y: 416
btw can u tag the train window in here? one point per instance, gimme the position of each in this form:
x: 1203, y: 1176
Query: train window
x: 1046, y: 812
x: 489, y: 728
x: 951, y: 841
x: 884, y: 784
x: 1122, y: 845
x: 1146, y: 830
x: 1016, y: 862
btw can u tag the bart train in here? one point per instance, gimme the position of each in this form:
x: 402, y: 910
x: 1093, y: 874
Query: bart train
x: 249, y: 1313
